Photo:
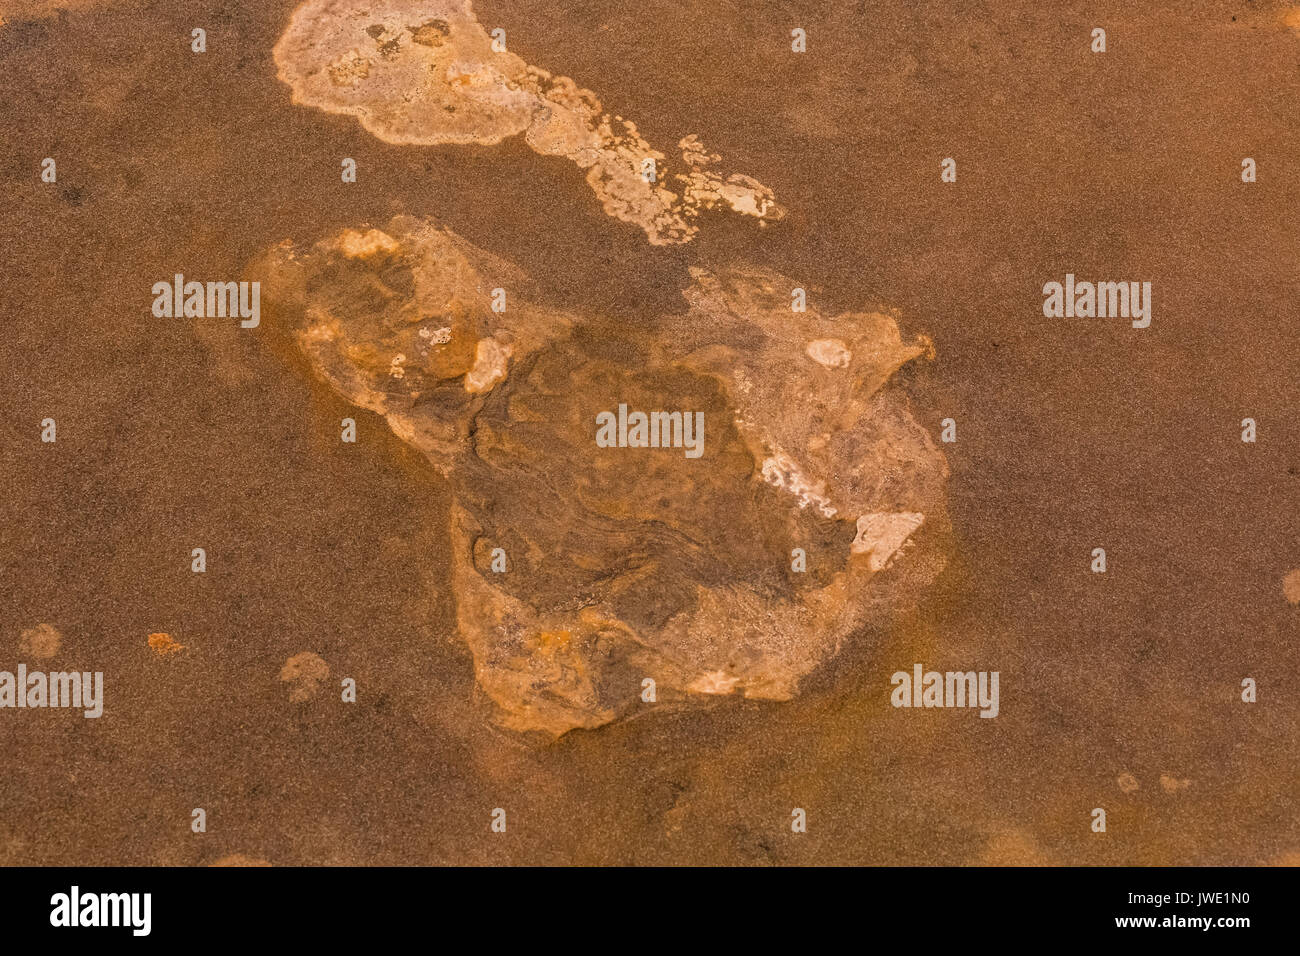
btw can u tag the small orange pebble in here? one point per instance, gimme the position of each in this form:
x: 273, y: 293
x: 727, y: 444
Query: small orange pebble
x: 162, y: 644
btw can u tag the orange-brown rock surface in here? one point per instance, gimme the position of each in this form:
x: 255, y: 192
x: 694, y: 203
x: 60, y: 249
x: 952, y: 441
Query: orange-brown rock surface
x: 581, y: 570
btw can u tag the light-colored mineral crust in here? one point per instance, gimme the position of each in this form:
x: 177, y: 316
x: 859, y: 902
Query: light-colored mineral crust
x: 424, y: 72
x: 628, y: 563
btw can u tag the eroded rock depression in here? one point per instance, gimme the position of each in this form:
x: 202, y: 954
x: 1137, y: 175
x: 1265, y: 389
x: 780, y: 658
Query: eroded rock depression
x: 627, y: 563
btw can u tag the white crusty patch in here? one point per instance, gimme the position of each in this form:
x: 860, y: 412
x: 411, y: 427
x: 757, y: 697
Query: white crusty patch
x: 829, y: 352
x: 436, y: 336
x: 490, y: 359
x: 445, y: 82
x: 363, y: 245
x: 881, y: 534
x: 714, y: 682
x: 782, y: 471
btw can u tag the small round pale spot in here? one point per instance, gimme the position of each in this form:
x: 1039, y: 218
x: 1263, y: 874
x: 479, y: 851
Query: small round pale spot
x: 831, y: 353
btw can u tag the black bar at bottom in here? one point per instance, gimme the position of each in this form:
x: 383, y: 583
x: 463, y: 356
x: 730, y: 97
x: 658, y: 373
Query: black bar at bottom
x: 637, y: 907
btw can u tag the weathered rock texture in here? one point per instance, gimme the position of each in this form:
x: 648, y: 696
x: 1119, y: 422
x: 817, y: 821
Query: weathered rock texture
x: 627, y: 563
x: 424, y: 72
